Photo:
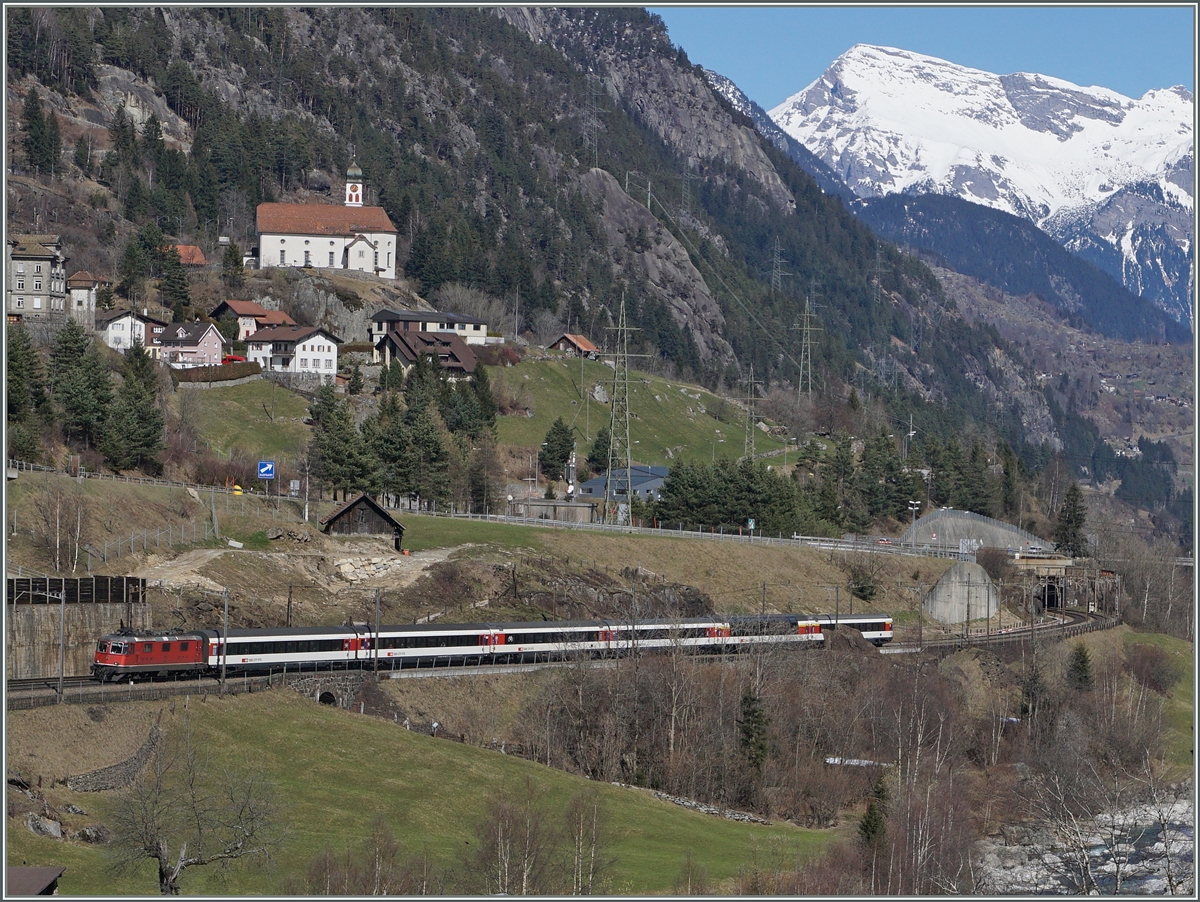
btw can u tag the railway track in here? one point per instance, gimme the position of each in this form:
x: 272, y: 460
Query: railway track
x: 32, y: 693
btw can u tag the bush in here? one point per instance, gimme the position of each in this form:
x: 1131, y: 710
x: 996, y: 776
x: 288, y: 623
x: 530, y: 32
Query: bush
x: 1152, y: 667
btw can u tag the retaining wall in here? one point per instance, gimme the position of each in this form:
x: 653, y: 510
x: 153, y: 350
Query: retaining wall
x: 965, y: 591
x: 31, y: 642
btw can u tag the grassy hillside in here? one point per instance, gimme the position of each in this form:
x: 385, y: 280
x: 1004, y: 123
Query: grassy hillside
x: 669, y: 420
x: 338, y: 771
x: 256, y: 419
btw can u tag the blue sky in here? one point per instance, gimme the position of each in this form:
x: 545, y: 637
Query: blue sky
x: 771, y: 52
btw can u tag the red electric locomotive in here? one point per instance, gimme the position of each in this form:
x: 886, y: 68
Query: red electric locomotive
x: 128, y: 654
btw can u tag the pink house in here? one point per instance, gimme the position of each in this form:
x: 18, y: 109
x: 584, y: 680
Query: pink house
x: 186, y: 345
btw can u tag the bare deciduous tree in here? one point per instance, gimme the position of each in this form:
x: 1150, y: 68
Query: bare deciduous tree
x: 181, y: 814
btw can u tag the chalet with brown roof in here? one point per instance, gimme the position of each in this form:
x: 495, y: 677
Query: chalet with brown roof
x: 251, y: 316
x: 363, y: 516
x: 324, y: 236
x: 450, y: 351
x: 575, y: 345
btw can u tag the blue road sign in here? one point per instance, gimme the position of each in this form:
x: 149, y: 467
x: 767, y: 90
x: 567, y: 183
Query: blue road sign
x: 266, y: 469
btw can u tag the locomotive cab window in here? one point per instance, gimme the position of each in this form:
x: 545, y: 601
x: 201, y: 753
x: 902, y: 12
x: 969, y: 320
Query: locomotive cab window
x: 102, y: 647
x: 183, y: 646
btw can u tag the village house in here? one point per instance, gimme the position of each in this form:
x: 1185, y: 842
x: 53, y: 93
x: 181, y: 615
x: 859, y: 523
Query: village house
x: 37, y: 279
x: 190, y: 255
x: 119, y: 329
x: 470, y: 329
x: 186, y: 345
x: 325, y: 236
x: 450, y: 351
x: 295, y: 349
x: 83, y: 288
x: 251, y: 316
x: 647, y: 483
x: 576, y: 346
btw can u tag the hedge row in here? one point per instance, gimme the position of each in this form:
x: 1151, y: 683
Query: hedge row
x: 221, y: 373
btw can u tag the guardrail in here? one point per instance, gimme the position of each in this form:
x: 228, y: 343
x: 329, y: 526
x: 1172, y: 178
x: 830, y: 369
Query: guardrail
x: 823, y: 543
x: 93, y: 693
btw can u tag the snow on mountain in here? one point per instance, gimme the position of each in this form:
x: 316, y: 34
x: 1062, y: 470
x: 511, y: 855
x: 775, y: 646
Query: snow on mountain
x: 1109, y: 176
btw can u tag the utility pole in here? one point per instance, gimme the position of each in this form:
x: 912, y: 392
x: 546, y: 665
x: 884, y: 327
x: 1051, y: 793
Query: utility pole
x: 804, y: 379
x: 375, y: 639
x: 62, y: 638
x: 620, y: 449
x: 777, y: 273
x: 225, y: 641
x: 748, y: 450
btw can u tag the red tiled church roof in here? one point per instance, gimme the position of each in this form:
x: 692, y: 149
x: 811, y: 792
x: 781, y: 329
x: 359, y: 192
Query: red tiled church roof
x: 322, y: 219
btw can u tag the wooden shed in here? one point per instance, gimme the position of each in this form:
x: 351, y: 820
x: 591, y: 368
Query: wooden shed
x: 363, y: 516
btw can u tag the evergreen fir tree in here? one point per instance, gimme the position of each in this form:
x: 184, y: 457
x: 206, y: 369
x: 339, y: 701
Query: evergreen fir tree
x: 752, y: 728
x: 556, y: 450
x: 598, y: 454
x: 1072, y: 518
x: 356, y: 381
x: 174, y: 283
x: 1079, y: 668
x: 481, y: 385
x: 83, y: 395
x: 35, y: 139
x: 133, y: 433
x: 232, y: 272
x: 24, y: 380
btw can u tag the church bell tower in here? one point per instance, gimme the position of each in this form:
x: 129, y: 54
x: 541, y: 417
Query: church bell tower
x: 354, y: 186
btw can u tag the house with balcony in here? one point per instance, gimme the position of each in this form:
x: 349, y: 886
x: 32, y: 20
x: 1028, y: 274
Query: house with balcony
x: 119, y: 329
x: 450, y: 351
x: 295, y: 349
x: 470, y: 329
x: 186, y: 345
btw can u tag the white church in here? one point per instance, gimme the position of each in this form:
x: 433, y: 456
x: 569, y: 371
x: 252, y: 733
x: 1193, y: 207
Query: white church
x: 324, y: 236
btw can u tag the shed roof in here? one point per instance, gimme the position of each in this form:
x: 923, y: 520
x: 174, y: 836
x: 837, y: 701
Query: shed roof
x: 327, y: 521
x: 190, y: 255
x: 30, y: 881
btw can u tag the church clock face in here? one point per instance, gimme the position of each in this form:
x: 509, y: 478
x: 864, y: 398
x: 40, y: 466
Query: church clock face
x: 354, y: 189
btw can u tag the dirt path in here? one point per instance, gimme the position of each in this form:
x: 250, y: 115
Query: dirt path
x: 186, y: 569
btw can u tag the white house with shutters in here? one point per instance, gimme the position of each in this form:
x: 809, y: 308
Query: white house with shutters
x: 295, y: 349
x: 326, y: 236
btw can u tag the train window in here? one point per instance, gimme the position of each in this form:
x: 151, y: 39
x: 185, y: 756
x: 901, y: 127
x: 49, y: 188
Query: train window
x: 147, y: 646
x: 184, y: 646
x: 166, y: 646
x: 102, y: 647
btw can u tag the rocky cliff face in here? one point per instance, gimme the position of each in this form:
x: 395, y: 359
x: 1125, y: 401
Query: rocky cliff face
x: 674, y: 101
x: 639, y: 241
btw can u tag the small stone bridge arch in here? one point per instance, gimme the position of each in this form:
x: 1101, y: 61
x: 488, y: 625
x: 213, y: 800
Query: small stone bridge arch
x: 338, y: 688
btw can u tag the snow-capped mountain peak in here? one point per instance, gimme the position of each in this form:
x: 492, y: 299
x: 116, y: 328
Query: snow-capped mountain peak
x: 889, y: 120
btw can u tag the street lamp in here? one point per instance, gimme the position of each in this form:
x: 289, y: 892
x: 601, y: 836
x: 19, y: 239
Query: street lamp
x: 914, y: 506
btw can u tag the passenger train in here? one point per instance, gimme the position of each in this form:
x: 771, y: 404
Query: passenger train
x: 130, y: 655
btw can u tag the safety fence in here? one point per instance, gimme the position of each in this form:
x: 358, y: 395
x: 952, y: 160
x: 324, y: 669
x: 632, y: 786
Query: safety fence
x: 88, y: 692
